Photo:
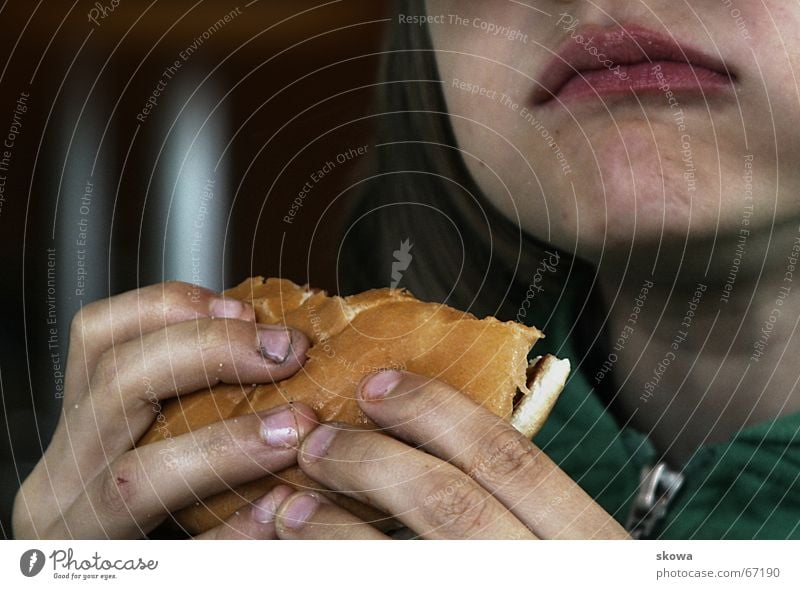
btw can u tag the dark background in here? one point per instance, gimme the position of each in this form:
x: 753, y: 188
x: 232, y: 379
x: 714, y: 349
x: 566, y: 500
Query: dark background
x: 282, y: 86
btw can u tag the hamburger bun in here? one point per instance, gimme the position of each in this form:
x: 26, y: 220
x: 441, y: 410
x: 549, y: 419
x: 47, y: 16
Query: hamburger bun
x: 350, y: 337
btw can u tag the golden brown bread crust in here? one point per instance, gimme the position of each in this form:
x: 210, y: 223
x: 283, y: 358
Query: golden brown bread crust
x: 352, y: 336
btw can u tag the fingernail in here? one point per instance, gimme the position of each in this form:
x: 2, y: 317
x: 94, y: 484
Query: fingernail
x: 275, y: 343
x: 279, y: 428
x: 318, y: 442
x: 226, y: 308
x: 264, y: 509
x: 298, y: 511
x: 380, y: 384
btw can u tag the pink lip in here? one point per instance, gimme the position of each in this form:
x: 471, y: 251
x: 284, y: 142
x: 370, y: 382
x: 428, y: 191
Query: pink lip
x: 646, y: 60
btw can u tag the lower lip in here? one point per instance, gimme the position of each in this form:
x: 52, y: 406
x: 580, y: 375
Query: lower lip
x: 659, y: 76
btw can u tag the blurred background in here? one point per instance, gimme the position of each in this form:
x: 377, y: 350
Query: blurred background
x: 145, y: 141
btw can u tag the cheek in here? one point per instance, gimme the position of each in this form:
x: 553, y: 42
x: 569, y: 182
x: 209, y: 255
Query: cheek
x: 770, y: 60
x: 770, y: 25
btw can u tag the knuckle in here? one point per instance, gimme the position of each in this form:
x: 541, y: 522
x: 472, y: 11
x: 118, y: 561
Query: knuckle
x: 76, y: 325
x: 219, y: 337
x: 218, y: 445
x: 429, y: 398
x: 363, y: 447
x: 106, y: 375
x: 215, y: 445
x: 21, y: 517
x: 505, y: 456
x: 89, y: 319
x: 176, y: 293
x: 118, y: 381
x: 119, y: 489
x: 82, y: 320
x: 455, y: 506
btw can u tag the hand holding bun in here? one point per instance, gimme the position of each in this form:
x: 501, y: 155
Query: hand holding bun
x: 351, y: 337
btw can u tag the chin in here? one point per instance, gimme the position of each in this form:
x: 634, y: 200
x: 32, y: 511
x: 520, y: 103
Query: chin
x: 641, y: 186
x: 644, y: 220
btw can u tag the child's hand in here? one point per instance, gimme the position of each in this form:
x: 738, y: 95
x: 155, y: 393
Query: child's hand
x: 126, y: 354
x: 477, y: 477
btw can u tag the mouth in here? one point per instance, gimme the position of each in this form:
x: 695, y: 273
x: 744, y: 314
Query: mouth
x: 598, y: 62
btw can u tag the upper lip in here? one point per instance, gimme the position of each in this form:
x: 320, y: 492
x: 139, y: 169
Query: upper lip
x: 622, y: 46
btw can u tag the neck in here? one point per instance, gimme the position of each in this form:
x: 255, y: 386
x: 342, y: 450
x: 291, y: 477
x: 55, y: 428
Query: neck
x: 702, y: 351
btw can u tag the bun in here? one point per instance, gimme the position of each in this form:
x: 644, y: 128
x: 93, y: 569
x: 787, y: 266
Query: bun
x: 352, y: 336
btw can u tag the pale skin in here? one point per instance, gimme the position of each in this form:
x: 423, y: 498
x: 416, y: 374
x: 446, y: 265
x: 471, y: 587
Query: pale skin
x: 627, y: 208
x: 127, y: 354
x: 480, y: 479
x: 477, y: 478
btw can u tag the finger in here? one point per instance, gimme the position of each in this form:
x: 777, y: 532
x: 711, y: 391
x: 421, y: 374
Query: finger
x: 308, y: 516
x: 431, y: 497
x: 451, y: 426
x: 254, y: 522
x: 131, y: 379
x: 127, y: 316
x: 132, y: 495
x: 95, y: 328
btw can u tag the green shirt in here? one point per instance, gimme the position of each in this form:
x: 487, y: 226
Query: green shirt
x: 746, y: 488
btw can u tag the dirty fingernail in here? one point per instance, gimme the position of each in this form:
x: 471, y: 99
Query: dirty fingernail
x: 279, y: 428
x: 264, y: 509
x: 380, y: 384
x: 318, y: 442
x: 299, y: 510
x: 275, y: 343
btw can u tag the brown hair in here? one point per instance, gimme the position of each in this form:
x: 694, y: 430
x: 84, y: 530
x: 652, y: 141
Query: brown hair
x: 418, y: 189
